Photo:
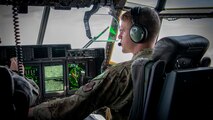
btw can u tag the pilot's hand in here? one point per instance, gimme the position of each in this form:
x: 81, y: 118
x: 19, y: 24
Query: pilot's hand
x: 14, y: 64
x: 30, y: 114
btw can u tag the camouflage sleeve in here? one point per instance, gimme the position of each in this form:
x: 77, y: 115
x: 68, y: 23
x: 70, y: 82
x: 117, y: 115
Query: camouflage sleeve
x: 100, y: 91
x: 35, y: 92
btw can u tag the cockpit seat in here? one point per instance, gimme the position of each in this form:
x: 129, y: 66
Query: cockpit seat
x: 172, y: 53
x: 14, y: 100
x: 187, y: 89
x: 6, y: 93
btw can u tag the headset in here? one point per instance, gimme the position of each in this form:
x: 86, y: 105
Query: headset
x: 138, y: 32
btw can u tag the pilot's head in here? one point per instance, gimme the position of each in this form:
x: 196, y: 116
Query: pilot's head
x: 139, y: 29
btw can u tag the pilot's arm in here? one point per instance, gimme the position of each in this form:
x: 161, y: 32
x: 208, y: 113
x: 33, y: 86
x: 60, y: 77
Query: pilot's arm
x: 101, y: 91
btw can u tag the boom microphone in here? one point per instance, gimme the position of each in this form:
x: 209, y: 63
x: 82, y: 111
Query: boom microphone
x: 119, y: 44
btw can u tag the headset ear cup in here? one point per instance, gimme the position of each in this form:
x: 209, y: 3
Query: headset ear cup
x: 138, y: 34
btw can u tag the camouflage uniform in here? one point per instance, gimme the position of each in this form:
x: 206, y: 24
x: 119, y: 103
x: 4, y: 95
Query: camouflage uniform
x: 112, y: 88
x: 26, y: 86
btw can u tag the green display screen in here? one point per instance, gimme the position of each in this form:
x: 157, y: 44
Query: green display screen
x: 76, y: 72
x: 32, y: 72
x: 53, y: 76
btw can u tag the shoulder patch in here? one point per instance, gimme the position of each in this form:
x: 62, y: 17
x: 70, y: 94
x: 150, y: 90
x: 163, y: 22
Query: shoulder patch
x: 89, y: 86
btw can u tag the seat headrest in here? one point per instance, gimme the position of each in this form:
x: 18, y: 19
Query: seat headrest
x: 179, y: 52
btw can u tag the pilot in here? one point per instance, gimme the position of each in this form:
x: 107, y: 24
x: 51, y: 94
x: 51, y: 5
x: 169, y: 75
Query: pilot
x: 24, y: 91
x: 113, y: 88
x: 23, y: 84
